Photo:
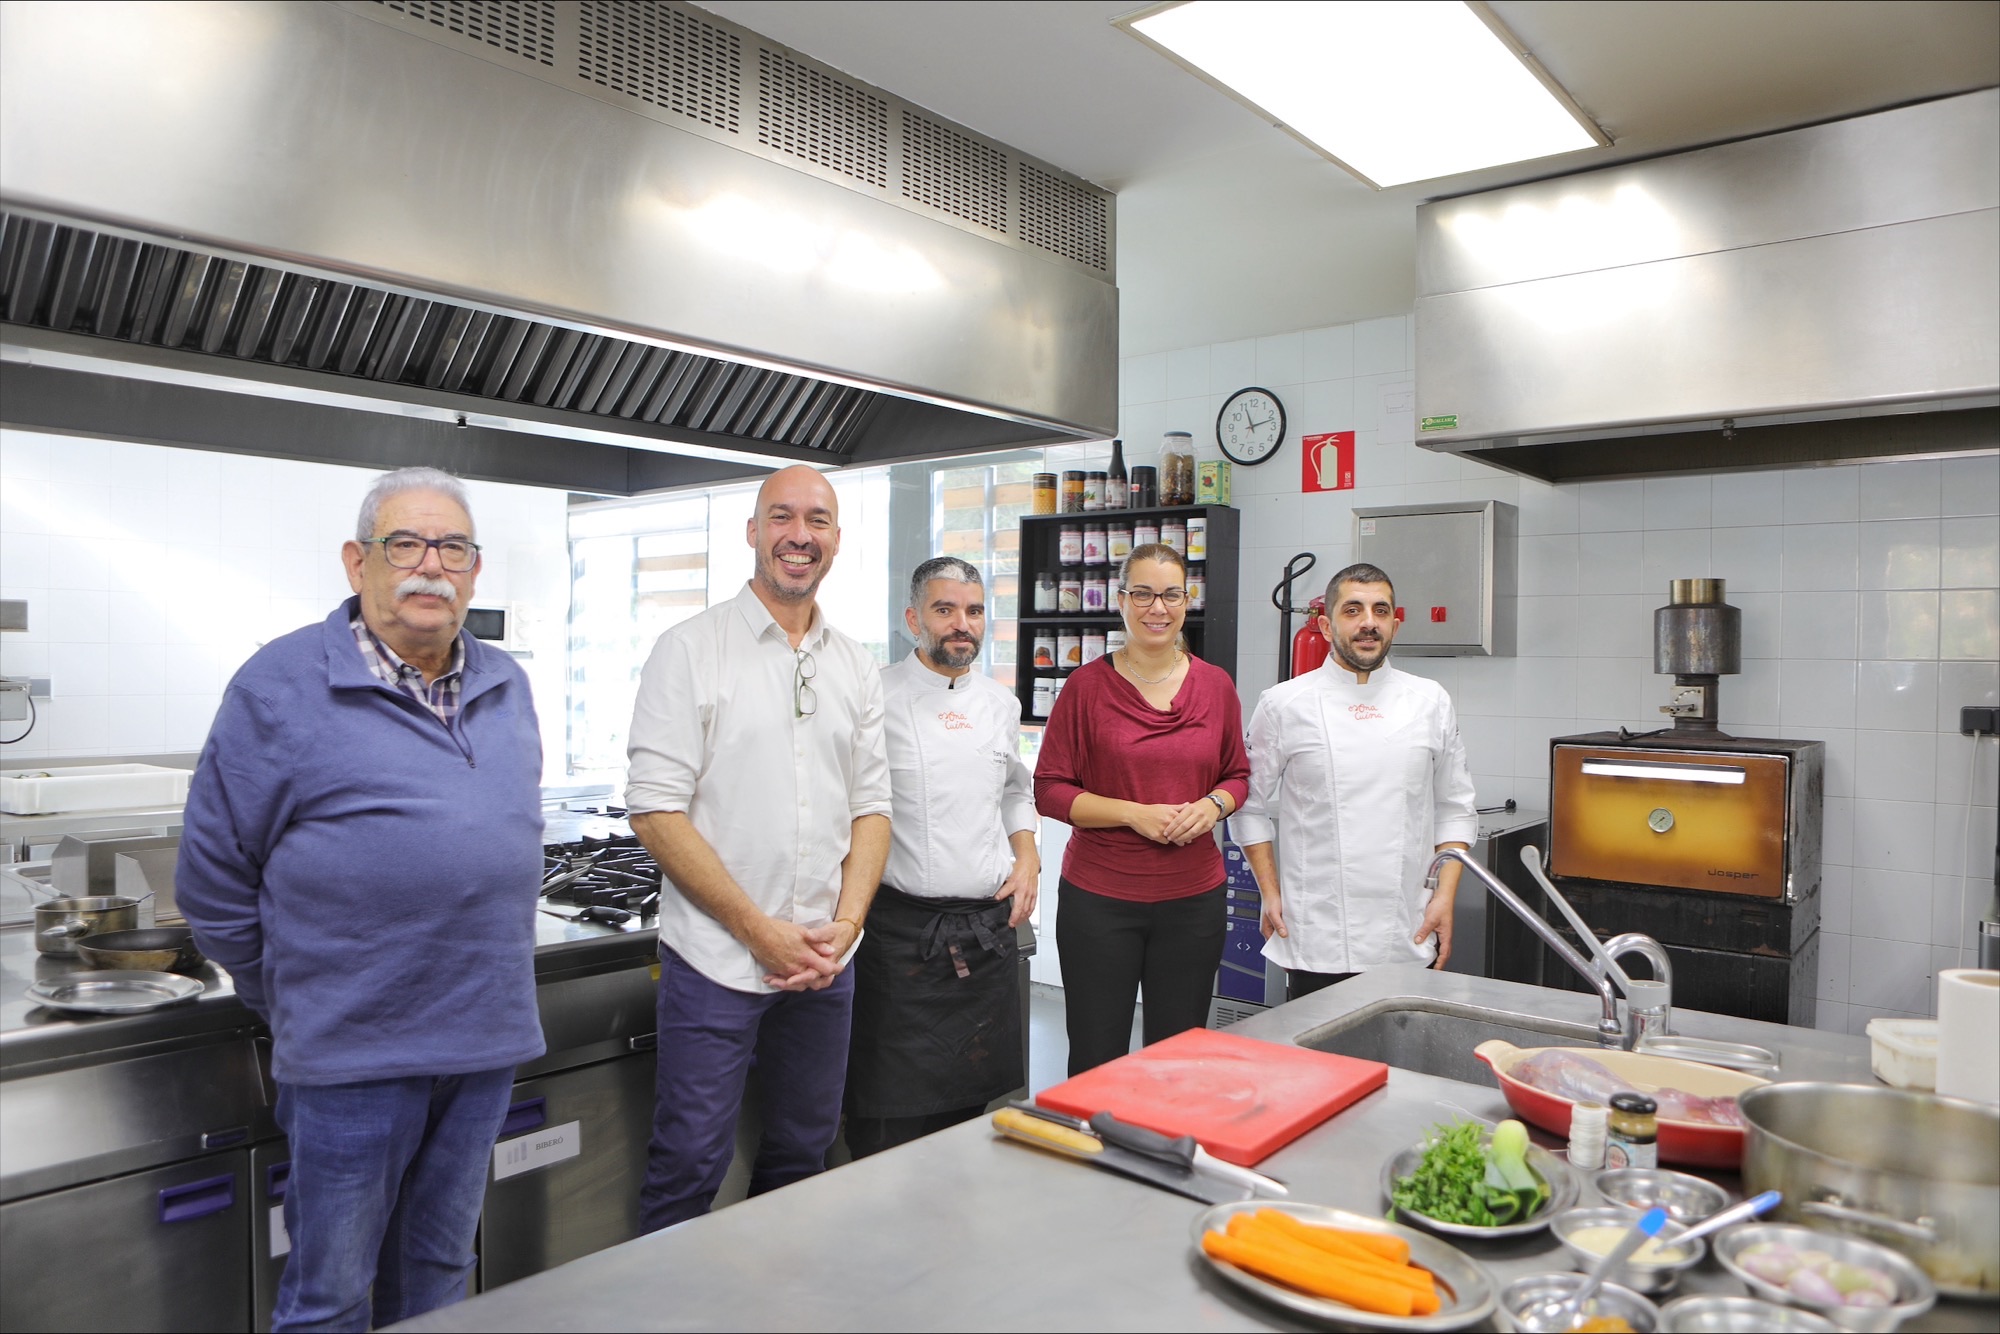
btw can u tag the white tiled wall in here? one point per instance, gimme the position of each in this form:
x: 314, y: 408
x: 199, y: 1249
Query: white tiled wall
x: 1871, y: 612
x: 152, y: 573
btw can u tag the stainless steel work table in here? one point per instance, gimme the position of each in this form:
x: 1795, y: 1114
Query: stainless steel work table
x: 963, y: 1230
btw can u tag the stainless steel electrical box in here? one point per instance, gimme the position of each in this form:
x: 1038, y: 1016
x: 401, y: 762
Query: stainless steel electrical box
x: 1453, y: 567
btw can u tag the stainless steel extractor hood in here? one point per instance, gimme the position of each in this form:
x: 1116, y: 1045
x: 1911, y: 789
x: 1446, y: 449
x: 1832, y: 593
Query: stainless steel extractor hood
x: 1821, y: 295
x: 611, y: 246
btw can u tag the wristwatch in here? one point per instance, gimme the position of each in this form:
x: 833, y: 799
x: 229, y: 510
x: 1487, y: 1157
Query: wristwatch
x: 1222, y: 811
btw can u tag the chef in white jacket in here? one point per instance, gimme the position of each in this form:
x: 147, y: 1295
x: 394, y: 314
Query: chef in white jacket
x: 1358, y: 773
x: 937, y: 996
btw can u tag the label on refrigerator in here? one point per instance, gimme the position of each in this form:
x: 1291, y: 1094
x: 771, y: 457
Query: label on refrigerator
x: 281, y: 1240
x: 537, y: 1149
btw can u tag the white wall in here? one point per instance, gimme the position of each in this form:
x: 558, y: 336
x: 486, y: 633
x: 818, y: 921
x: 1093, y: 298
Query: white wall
x: 152, y: 573
x: 1871, y: 610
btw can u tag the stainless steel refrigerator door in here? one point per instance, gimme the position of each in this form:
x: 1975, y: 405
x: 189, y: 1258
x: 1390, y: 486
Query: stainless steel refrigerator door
x: 180, y: 1236
x: 569, y: 1199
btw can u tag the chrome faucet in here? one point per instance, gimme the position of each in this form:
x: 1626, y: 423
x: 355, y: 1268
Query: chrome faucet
x: 1648, y: 1004
x: 1610, y: 1030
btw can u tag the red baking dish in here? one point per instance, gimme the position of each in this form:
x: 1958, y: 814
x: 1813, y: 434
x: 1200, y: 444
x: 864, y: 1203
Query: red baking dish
x: 1691, y: 1143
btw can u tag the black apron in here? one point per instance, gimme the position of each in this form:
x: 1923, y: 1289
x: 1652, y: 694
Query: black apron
x: 937, y: 1007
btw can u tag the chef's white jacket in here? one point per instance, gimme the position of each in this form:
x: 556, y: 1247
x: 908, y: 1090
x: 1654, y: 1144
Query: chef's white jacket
x: 1358, y: 784
x: 958, y: 787
x: 717, y: 733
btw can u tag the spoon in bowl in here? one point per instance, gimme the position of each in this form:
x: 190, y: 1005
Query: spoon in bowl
x: 1562, y: 1313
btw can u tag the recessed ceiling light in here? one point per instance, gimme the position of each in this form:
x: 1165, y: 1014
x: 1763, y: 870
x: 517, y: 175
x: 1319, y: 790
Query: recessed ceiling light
x: 1393, y: 90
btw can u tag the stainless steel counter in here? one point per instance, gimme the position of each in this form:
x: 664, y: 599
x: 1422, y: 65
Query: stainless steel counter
x: 963, y: 1230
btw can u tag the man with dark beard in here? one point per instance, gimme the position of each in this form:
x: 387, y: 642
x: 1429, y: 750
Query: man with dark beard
x: 937, y: 1003
x: 1358, y: 770
x: 759, y: 781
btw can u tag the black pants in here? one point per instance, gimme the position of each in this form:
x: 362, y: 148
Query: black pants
x: 1111, y: 948
x: 872, y: 1134
x: 1299, y: 982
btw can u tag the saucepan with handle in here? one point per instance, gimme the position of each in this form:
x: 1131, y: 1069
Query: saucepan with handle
x: 60, y: 923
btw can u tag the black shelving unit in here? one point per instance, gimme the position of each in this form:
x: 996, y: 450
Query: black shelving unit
x: 1211, y: 632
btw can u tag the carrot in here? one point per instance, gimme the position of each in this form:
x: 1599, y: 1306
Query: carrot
x: 1423, y: 1296
x: 1297, y: 1269
x: 1393, y: 1249
x: 1337, y: 1244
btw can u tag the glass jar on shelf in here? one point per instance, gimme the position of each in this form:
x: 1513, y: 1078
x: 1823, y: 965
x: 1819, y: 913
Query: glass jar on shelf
x: 1177, y: 468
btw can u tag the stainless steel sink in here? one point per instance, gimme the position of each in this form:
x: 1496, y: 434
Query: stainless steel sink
x: 1436, y: 1037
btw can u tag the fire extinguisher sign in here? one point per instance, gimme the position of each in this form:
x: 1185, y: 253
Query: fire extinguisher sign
x: 1328, y: 462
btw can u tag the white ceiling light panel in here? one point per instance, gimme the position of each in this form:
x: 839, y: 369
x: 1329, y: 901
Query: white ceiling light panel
x: 1407, y: 90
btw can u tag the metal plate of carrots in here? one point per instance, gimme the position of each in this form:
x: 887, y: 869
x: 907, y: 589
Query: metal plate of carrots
x: 1344, y: 1267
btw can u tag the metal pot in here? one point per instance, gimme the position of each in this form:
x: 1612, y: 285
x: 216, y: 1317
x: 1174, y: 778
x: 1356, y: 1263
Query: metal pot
x: 1913, y: 1171
x: 160, y: 949
x: 60, y: 923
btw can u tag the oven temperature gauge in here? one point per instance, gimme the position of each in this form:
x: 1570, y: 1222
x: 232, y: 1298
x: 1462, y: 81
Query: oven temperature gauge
x: 1661, y: 820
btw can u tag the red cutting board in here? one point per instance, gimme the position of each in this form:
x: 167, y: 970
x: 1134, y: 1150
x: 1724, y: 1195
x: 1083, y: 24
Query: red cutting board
x: 1241, y: 1098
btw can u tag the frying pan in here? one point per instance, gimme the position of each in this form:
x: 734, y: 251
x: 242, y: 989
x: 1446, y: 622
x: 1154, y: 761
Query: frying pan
x: 160, y: 949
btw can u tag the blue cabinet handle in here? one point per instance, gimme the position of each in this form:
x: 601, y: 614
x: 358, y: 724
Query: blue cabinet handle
x: 198, y: 1199
x: 277, y: 1178
x: 522, y: 1117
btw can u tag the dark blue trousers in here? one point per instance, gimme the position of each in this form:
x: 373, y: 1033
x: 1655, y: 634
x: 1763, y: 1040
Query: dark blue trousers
x: 710, y: 1036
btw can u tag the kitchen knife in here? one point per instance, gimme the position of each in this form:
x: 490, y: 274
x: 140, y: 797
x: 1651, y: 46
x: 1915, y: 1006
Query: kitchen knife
x: 1045, y: 1133
x: 1183, y: 1150
x: 597, y: 913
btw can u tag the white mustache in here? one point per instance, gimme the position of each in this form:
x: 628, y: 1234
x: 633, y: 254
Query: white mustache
x: 417, y: 585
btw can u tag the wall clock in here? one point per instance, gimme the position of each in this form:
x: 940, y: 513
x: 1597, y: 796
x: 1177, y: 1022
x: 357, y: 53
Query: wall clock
x: 1250, y: 426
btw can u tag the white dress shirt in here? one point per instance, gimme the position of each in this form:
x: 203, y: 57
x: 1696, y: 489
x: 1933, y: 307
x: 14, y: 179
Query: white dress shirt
x: 959, y: 786
x: 1358, y: 784
x: 715, y: 733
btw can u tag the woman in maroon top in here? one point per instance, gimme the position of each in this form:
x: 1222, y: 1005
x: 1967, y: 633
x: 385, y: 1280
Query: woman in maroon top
x: 1143, y: 755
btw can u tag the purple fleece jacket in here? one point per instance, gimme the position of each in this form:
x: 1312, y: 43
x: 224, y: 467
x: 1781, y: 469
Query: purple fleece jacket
x: 367, y: 874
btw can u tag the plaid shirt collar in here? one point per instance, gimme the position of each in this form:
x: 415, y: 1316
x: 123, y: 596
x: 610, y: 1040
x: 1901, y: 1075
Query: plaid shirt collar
x: 440, y: 696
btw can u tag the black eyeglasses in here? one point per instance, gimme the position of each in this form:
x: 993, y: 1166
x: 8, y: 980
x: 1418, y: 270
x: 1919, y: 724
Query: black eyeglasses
x: 1142, y: 598
x: 804, y: 702
x: 405, y: 551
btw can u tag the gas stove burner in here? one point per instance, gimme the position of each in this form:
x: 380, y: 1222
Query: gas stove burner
x: 613, y: 872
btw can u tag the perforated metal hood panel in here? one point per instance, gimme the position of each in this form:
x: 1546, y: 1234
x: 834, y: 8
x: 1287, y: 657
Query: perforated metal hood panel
x: 71, y: 279
x: 628, y: 225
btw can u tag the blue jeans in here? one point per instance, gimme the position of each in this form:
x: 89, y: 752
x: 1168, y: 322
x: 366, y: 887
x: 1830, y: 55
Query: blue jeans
x: 387, y: 1181
x: 709, y: 1038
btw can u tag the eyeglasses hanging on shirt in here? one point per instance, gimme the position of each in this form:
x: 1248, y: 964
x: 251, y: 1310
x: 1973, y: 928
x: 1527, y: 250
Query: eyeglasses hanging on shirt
x: 804, y: 702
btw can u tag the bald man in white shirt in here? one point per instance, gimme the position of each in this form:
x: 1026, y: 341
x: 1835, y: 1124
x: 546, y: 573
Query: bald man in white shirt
x: 937, y: 1007
x: 759, y: 781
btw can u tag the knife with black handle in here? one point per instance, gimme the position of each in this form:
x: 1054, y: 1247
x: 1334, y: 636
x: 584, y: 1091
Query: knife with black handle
x: 1182, y: 1149
x: 1066, y: 1136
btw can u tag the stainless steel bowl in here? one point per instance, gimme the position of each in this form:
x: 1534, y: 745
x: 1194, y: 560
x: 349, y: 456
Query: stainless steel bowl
x: 1712, y: 1313
x: 1687, y: 1199
x: 1915, y: 1293
x: 1649, y: 1279
x: 1565, y: 1188
x: 1525, y: 1294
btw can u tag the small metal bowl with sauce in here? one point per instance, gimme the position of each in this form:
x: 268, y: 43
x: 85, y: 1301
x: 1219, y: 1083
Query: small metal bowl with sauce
x: 1521, y: 1298
x: 1687, y: 1199
x: 1655, y: 1277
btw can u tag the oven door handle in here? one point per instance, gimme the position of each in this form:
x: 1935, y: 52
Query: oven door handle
x: 1732, y: 775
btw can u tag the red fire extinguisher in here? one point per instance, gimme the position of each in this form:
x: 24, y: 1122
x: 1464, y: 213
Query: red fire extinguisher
x: 1309, y: 646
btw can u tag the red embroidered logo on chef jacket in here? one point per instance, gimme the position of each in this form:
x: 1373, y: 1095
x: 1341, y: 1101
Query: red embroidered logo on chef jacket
x: 954, y: 721
x: 1364, y: 713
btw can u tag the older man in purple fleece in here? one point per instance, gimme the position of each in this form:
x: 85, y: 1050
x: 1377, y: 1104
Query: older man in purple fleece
x: 363, y: 853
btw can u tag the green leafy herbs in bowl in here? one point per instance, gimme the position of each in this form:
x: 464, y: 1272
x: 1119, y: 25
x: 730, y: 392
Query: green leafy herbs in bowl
x: 1467, y: 1178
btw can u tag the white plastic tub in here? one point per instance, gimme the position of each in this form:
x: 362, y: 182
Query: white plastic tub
x: 91, y: 787
x: 1904, y: 1052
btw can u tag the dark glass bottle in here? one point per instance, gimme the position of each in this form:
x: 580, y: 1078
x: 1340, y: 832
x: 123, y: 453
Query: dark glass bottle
x: 1116, y: 494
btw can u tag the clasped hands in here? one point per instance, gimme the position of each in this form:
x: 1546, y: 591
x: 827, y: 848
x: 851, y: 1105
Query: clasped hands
x: 1176, y: 825
x: 801, y: 958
